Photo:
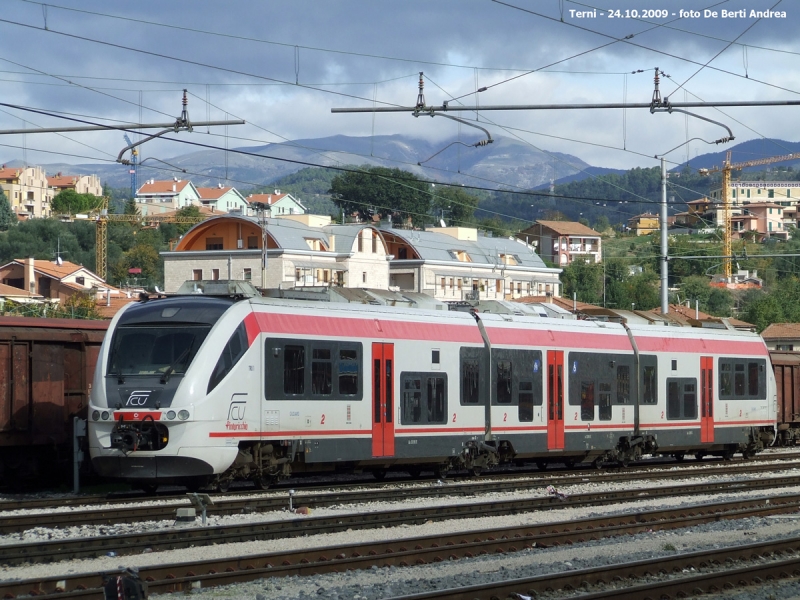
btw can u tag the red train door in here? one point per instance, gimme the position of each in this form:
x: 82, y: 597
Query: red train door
x: 706, y: 399
x: 382, y: 400
x: 555, y: 400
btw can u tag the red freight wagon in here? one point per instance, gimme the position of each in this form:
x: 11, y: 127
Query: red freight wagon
x: 786, y: 366
x: 46, y: 370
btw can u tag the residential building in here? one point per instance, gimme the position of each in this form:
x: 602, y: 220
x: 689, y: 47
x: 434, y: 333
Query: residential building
x: 279, y: 204
x: 562, y: 242
x: 157, y: 197
x: 782, y: 336
x: 783, y: 193
x: 223, y: 199
x: 82, y: 184
x: 460, y: 263
x: 55, y: 281
x: 644, y: 224
x: 451, y: 264
x: 27, y: 190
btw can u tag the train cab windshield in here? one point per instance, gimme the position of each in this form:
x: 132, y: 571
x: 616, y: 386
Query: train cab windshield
x: 155, y: 351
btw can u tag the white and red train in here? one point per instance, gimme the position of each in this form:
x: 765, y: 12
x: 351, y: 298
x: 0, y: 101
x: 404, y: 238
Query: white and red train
x: 198, y: 389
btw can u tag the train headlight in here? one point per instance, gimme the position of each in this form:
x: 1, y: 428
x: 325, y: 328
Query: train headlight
x: 170, y: 415
x: 95, y: 415
x: 183, y: 415
x: 105, y: 415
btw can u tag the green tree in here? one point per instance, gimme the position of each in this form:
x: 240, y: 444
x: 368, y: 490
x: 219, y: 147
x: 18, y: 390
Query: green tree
x: 585, y: 280
x: 70, y: 202
x: 642, y: 290
x: 382, y: 191
x: 616, y: 273
x: 720, y: 303
x: 458, y: 205
x: 7, y: 216
x: 601, y: 224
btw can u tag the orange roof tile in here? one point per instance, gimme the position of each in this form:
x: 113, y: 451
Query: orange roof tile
x: 108, y: 312
x: 10, y: 290
x: 212, y: 193
x: 569, y: 228
x: 8, y: 173
x: 780, y: 331
x: 62, y: 181
x: 558, y: 301
x: 163, y: 187
x: 265, y: 198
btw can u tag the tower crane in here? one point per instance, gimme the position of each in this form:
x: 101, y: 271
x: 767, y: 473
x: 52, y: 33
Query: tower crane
x: 726, y: 168
x: 134, y: 165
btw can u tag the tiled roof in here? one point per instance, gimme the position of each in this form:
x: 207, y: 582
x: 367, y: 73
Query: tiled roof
x: 689, y: 313
x: 117, y: 302
x: 569, y: 228
x: 780, y: 331
x: 558, y: 301
x: 265, y: 198
x: 162, y: 187
x: 212, y: 193
x: 62, y: 180
x: 9, y: 290
x: 9, y: 173
x: 52, y: 269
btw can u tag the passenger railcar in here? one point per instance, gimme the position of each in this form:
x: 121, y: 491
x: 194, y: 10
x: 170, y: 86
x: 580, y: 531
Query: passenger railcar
x: 198, y: 389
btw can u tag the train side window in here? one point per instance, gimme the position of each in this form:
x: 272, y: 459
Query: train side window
x: 738, y: 380
x: 470, y: 378
x: 587, y: 400
x: 231, y: 353
x: 623, y: 384
x: 604, y: 401
x: 348, y: 371
x: 525, y: 410
x: 294, y: 370
x: 725, y: 380
x: 424, y: 398
x: 649, y: 393
x: 437, y: 395
x: 504, y: 382
x: 752, y: 379
x: 321, y: 372
x: 681, y: 398
x: 411, y: 409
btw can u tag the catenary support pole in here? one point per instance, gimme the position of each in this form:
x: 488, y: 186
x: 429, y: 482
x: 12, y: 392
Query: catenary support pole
x: 664, y: 241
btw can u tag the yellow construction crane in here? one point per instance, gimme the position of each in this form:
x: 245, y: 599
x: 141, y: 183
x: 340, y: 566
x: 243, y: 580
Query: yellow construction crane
x: 726, y: 168
x: 102, y: 219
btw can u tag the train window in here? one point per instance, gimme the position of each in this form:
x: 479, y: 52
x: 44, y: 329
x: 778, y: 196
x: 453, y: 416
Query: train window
x: 649, y: 379
x: 681, y: 398
x: 311, y: 369
x: 411, y: 410
x: 349, y: 366
x: 504, y: 382
x: 471, y: 371
x: 742, y: 379
x: 604, y: 401
x: 424, y: 398
x: 294, y: 370
x: 155, y: 350
x: 231, y: 353
x: 525, y: 411
x: 436, y: 400
x: 587, y: 400
x: 623, y: 384
x: 321, y: 372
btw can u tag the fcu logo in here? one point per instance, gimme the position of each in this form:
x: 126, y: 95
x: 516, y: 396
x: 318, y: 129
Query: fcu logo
x: 138, y: 397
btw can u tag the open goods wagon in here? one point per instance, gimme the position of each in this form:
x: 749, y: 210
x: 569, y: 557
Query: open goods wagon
x: 46, y: 369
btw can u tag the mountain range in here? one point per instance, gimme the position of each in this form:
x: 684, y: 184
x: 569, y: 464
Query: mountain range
x: 505, y: 163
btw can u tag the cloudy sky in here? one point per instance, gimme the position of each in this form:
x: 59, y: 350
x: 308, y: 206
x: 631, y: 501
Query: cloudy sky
x: 282, y: 66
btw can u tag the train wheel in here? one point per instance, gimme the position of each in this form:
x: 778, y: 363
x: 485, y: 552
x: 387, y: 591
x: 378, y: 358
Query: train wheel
x: 415, y: 472
x: 263, y: 483
x: 597, y: 463
x: 379, y: 474
x: 569, y: 463
x: 541, y: 464
x: 623, y: 462
x: 476, y: 471
x: 699, y: 455
x: 442, y: 471
x: 223, y: 486
x: 679, y: 456
x: 149, y: 488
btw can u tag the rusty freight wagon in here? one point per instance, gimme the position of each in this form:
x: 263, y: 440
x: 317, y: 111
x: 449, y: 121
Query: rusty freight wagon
x: 46, y: 370
x: 786, y: 366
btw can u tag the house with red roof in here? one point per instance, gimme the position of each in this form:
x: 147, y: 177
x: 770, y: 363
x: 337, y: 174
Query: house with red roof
x: 561, y: 242
x: 278, y: 204
x: 27, y: 191
x: 82, y: 184
x: 51, y: 280
x: 157, y: 197
x: 223, y: 199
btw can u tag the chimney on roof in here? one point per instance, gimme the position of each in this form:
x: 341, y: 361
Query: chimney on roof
x: 173, y: 187
x: 30, y: 278
x: 58, y: 174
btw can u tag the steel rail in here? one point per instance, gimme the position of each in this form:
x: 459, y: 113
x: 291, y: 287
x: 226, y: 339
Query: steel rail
x: 419, y: 550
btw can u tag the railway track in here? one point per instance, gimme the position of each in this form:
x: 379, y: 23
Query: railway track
x: 642, y: 470
x: 179, y: 577
x: 171, y: 539
x: 121, y: 511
